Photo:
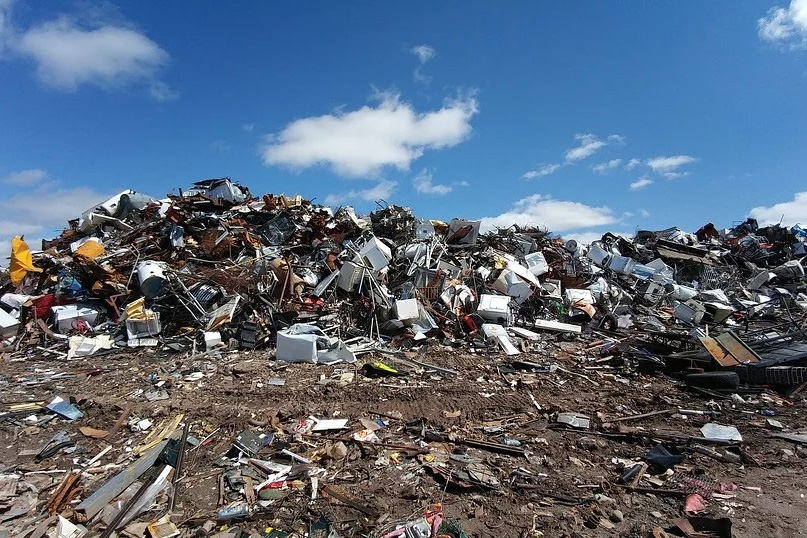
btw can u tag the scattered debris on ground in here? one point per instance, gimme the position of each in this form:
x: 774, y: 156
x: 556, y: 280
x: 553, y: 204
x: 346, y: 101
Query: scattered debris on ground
x: 220, y: 364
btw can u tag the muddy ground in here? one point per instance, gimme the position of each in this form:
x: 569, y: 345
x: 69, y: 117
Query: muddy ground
x: 566, y: 470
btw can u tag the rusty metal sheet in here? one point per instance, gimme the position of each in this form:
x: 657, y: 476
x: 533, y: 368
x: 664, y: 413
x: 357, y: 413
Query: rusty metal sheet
x: 738, y: 349
x: 728, y: 350
x: 715, y: 350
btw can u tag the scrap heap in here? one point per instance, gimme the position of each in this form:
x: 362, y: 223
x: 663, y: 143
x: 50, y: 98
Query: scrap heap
x: 216, y: 273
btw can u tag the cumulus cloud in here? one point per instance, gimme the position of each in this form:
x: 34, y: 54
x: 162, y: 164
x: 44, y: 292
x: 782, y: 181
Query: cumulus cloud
x: 424, y: 184
x: 603, y: 168
x: 668, y: 166
x: 360, y: 143
x: 380, y: 191
x: 69, y: 54
x: 542, y: 171
x: 641, y: 183
x: 791, y: 212
x: 785, y: 26
x: 590, y: 144
x: 25, y: 178
x: 554, y: 215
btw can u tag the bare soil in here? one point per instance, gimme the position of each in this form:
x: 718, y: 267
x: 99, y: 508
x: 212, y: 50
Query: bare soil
x: 398, y: 486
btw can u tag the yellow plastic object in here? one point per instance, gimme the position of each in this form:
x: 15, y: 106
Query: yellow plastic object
x: 21, y: 260
x: 385, y: 368
x: 136, y: 311
x: 90, y: 249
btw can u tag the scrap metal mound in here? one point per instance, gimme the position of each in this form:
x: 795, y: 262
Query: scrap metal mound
x: 447, y: 355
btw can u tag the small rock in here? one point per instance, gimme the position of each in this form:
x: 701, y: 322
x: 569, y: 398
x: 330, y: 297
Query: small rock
x: 617, y: 516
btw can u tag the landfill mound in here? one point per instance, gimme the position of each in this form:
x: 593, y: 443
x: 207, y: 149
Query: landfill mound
x: 216, y: 363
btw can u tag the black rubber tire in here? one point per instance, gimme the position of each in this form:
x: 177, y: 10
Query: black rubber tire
x: 713, y: 380
x: 609, y: 323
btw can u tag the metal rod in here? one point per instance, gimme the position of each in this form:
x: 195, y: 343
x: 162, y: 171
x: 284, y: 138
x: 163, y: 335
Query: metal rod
x: 180, y: 460
x: 122, y: 514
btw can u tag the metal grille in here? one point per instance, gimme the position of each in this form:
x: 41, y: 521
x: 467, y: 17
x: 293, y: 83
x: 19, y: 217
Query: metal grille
x: 692, y: 484
x: 774, y: 375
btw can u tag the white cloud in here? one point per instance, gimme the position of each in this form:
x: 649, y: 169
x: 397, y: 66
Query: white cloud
x: 50, y: 204
x: 42, y: 212
x: 424, y: 184
x: 462, y: 183
x: 633, y: 163
x: 25, y: 178
x: 424, y: 53
x: 248, y: 127
x: 641, y: 183
x: 381, y: 191
x: 589, y: 145
x: 542, y: 171
x: 554, y: 215
x: 667, y: 165
x: 362, y: 142
x: 786, y: 26
x: 603, y: 168
x: 68, y: 55
x: 583, y: 238
x: 644, y: 213
x: 675, y: 175
x: 792, y: 212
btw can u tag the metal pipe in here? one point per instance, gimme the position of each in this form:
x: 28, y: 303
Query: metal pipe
x: 180, y: 460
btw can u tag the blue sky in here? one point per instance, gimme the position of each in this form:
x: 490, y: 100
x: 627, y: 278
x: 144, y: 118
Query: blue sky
x: 579, y: 116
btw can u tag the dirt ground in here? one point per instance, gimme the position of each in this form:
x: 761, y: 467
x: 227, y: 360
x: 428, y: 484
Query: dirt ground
x: 573, y: 475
